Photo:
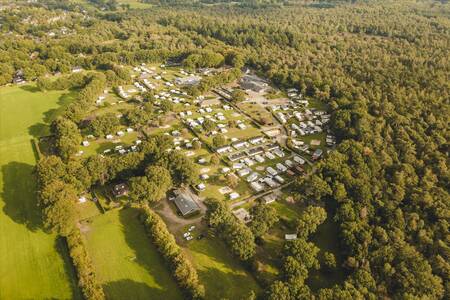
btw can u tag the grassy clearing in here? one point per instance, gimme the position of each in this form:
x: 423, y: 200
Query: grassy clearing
x: 327, y: 239
x: 34, y: 265
x: 127, y: 264
x: 222, y: 275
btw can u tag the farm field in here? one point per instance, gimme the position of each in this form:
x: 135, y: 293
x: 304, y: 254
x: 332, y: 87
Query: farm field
x: 222, y: 275
x: 126, y: 262
x: 34, y: 264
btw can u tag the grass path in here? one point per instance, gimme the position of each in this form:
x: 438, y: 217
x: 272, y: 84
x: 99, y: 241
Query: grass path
x: 33, y: 264
x: 126, y: 262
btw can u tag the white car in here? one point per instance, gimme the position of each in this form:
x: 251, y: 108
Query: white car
x: 191, y: 228
x: 189, y: 238
x: 186, y: 234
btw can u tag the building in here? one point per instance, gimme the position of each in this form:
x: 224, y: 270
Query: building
x: 190, y: 80
x: 243, y: 172
x: 233, y: 196
x: 256, y: 186
x: 290, y: 237
x: 223, y: 149
x: 186, y: 202
x: 269, y: 198
x: 120, y: 190
x: 271, y: 171
x: 317, y: 154
x: 253, y: 83
x: 242, y: 214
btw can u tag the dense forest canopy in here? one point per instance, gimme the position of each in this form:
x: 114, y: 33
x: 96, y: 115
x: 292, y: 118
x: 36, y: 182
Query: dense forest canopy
x: 383, y: 68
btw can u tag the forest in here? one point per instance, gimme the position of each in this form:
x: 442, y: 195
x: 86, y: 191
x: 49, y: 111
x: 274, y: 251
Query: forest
x: 382, y: 67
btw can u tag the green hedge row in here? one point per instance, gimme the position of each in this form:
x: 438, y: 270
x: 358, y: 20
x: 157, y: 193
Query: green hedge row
x: 87, y: 280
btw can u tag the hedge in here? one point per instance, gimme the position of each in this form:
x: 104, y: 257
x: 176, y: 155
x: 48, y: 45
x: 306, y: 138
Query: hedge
x: 87, y: 280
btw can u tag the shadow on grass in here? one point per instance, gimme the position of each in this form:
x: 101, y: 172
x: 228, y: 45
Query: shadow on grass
x: 69, y: 270
x: 126, y: 289
x: 231, y: 282
x: 30, y: 88
x: 19, y: 195
x: 146, y: 256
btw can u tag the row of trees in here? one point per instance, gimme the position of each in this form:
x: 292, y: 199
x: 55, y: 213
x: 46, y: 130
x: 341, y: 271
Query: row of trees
x: 57, y: 198
x: 236, y: 234
x: 183, y: 271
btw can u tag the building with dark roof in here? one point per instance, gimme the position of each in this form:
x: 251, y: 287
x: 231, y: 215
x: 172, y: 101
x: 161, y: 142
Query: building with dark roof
x: 186, y: 202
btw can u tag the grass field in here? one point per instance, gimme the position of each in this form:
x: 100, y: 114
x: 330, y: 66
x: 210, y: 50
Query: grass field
x: 126, y: 262
x: 222, y: 275
x: 33, y: 264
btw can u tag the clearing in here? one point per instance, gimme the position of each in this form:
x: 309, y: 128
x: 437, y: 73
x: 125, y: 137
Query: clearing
x: 126, y: 262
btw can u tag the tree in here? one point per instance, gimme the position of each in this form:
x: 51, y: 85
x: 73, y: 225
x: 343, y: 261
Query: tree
x: 303, y: 251
x: 312, y: 217
x: 329, y: 260
x: 232, y: 180
x: 219, y: 141
x: 104, y: 124
x: 209, y: 125
x: 166, y: 106
x: 240, y: 239
x: 161, y: 179
x: 215, y: 159
x: 197, y: 145
x: 140, y: 188
x: 279, y: 291
x: 68, y: 137
x: 57, y: 200
x: 263, y: 218
x: 61, y: 216
x: 238, y: 96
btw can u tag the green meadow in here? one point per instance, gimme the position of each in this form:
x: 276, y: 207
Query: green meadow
x: 33, y: 264
x: 223, y: 276
x: 126, y: 262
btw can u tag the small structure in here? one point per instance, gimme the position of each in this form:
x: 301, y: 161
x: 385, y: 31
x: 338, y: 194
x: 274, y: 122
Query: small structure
x: 317, y: 154
x: 269, y: 198
x: 233, y: 196
x: 186, y: 202
x: 290, y: 236
x: 256, y: 186
x: 120, y: 190
x: 242, y: 214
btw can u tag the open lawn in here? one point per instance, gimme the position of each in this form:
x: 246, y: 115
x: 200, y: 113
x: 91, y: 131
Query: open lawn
x: 33, y: 264
x: 222, y: 275
x: 126, y: 262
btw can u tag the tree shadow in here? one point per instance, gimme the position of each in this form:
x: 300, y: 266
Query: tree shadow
x: 37, y: 130
x: 225, y: 277
x: 42, y: 128
x: 63, y: 250
x: 30, y: 88
x: 19, y: 195
x: 147, y: 256
x: 221, y: 285
x: 130, y: 289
